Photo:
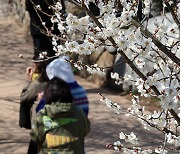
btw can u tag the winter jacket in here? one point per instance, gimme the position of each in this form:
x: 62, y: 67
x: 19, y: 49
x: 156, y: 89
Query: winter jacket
x: 27, y: 99
x: 31, y: 90
x: 60, y: 128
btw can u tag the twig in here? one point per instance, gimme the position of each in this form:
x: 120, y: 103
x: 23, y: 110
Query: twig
x: 173, y: 14
x: 167, y: 52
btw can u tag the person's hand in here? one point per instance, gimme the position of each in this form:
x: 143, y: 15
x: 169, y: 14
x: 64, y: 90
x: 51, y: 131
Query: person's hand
x: 29, y: 72
x: 40, y: 96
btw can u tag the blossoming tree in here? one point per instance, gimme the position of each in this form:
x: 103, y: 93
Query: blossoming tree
x: 149, y: 47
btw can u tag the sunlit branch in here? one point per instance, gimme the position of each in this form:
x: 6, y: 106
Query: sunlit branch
x: 157, y: 43
x: 128, y: 61
x: 173, y: 14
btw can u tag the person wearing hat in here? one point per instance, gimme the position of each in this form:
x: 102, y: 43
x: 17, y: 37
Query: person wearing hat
x: 37, y: 80
x: 62, y: 69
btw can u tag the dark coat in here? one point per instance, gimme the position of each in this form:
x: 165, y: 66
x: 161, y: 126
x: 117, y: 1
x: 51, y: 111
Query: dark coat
x: 35, y: 15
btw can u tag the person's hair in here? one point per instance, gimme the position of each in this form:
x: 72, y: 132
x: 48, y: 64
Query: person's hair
x: 58, y: 90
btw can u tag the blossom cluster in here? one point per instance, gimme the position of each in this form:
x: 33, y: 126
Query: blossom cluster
x: 159, y: 120
x: 112, y: 105
x: 150, y: 47
x: 118, y: 146
x: 92, y: 69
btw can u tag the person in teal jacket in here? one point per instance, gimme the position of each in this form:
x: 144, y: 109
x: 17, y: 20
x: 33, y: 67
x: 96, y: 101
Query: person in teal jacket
x: 60, y: 127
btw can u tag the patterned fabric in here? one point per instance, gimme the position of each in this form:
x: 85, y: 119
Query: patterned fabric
x: 80, y: 96
x: 55, y: 140
x: 51, y: 124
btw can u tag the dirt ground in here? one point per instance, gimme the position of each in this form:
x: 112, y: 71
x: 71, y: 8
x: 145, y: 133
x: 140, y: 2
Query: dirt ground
x: 105, y: 125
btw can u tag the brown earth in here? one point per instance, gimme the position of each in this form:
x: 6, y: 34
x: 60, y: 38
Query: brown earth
x: 105, y: 125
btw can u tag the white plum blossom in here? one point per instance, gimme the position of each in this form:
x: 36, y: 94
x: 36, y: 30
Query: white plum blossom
x: 152, y: 80
x: 169, y: 97
x: 146, y: 44
x: 125, y: 17
x: 122, y: 43
x: 72, y: 46
x: 136, y: 109
x: 94, y: 69
x: 177, y: 142
x: 178, y: 10
x: 38, y: 7
x: 170, y: 138
x: 158, y: 119
x: 140, y: 62
x: 111, y: 105
x: 72, y: 21
x: 60, y: 50
x: 43, y: 55
x: 118, y: 79
x: 147, y: 4
x: 54, y: 19
x: 44, y: 23
x: 131, y: 138
x: 161, y: 150
x: 61, y: 27
x: 122, y: 136
x: 142, y: 87
x: 58, y: 6
x: 78, y: 65
x: 117, y: 144
x: 54, y: 41
x: 84, y: 21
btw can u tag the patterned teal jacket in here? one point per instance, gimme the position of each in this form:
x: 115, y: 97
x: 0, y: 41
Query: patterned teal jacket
x: 60, y: 128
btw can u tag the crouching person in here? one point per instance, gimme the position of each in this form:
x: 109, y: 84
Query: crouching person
x: 60, y: 127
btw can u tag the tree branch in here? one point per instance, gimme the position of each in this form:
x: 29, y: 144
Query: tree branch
x: 157, y: 42
x: 173, y: 14
x: 130, y: 63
